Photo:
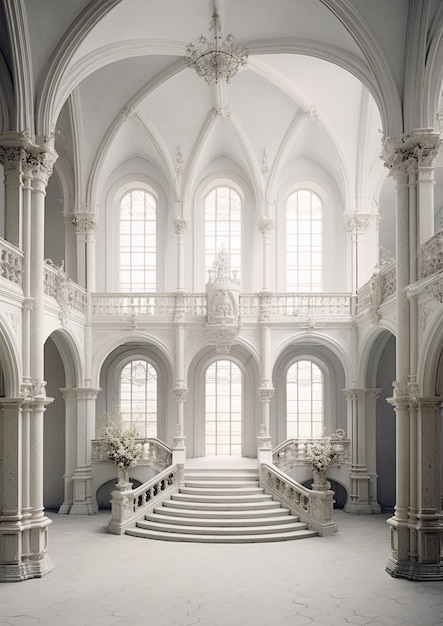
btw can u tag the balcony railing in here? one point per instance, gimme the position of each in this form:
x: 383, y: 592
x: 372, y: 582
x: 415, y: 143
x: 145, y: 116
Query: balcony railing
x: 155, y: 453
x: 69, y: 295
x: 290, y: 305
x: 11, y: 263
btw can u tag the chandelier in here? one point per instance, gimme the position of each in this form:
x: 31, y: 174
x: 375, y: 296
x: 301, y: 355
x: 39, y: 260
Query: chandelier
x: 216, y: 58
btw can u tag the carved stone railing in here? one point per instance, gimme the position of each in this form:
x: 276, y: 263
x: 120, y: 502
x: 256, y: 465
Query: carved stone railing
x: 294, y: 452
x: 432, y: 255
x: 69, y: 295
x: 155, y: 453
x: 288, y: 305
x: 11, y: 263
x: 377, y: 290
x: 133, y: 304
x: 310, y: 305
x: 315, y: 508
x: 130, y: 505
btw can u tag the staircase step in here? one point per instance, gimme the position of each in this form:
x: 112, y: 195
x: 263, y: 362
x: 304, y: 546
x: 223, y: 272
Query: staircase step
x: 169, y: 509
x: 221, y: 506
x: 160, y: 516
x: 239, y: 538
x: 222, y: 484
x: 221, y: 491
x: 220, y: 530
x: 185, y: 497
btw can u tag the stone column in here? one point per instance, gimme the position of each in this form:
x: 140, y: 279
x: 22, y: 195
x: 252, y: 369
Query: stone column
x: 266, y: 389
x: 265, y: 225
x: 84, y: 502
x: 70, y: 398
x: 12, y: 558
x: 180, y: 391
x: 358, y: 500
x: 356, y: 225
x: 406, y: 157
x: 180, y: 226
x: 11, y: 158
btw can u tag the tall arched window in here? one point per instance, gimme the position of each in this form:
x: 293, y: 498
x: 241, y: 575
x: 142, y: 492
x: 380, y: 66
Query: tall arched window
x: 223, y: 408
x: 137, y: 242
x: 223, y: 226
x: 304, y: 400
x: 138, y: 397
x: 303, y: 242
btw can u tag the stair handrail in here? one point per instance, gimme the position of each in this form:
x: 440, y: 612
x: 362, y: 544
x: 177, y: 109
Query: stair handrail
x: 315, y: 508
x: 294, y: 451
x: 129, y: 505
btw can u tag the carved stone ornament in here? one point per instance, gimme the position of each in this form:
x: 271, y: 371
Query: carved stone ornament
x: 356, y: 223
x: 436, y: 290
x: 180, y: 393
x: 180, y: 226
x: 11, y: 157
x: 265, y: 225
x: 407, y: 153
x: 266, y: 393
x: 39, y: 165
x: 84, y: 223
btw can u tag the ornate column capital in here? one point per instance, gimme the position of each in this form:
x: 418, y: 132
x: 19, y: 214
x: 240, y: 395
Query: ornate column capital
x: 356, y: 223
x: 12, y: 157
x: 180, y: 225
x: 265, y: 225
x: 180, y: 393
x: 407, y: 153
x: 38, y: 165
x: 266, y: 392
x: 84, y: 222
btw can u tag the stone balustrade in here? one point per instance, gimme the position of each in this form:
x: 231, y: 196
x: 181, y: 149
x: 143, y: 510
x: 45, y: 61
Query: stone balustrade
x: 155, y: 453
x: 312, y: 507
x: 69, y: 295
x: 11, y: 263
x: 294, y: 452
x: 129, y: 505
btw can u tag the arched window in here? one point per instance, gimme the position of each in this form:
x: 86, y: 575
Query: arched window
x: 223, y: 226
x: 138, y: 397
x: 137, y: 242
x: 223, y: 408
x: 304, y: 400
x: 304, y: 242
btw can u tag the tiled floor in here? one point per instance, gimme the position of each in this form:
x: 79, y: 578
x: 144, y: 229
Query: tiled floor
x: 103, y: 579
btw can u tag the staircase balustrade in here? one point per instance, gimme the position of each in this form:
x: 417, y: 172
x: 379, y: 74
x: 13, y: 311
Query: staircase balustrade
x: 129, y: 505
x: 155, y: 453
x: 293, y: 452
x: 313, y: 507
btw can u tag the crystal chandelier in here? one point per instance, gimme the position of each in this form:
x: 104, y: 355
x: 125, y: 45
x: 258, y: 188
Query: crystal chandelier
x: 217, y: 58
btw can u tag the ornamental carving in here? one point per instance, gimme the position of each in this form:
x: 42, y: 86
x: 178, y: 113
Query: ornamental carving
x: 265, y: 225
x: 84, y: 223
x: 11, y: 157
x: 180, y: 225
x: 39, y: 165
x: 222, y: 292
x: 356, y: 224
x: 431, y: 260
x: 407, y: 153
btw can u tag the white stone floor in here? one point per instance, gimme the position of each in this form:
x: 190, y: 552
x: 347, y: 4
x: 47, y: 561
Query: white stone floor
x: 103, y: 579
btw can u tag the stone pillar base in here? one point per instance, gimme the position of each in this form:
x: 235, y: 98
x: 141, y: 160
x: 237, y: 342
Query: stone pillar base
x: 358, y: 508
x: 83, y: 508
x: 414, y: 571
x: 65, y: 508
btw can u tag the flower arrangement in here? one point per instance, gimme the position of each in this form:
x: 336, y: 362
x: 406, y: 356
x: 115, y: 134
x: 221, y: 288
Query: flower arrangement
x: 322, y: 453
x: 120, y: 443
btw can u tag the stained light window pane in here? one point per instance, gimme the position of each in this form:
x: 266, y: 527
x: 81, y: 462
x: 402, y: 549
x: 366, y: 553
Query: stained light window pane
x: 138, y: 397
x: 303, y: 242
x: 223, y: 409
x: 304, y: 400
x: 138, y: 242
x: 223, y: 227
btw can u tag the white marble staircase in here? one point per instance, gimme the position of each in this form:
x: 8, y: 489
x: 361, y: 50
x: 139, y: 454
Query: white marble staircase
x: 221, y: 506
